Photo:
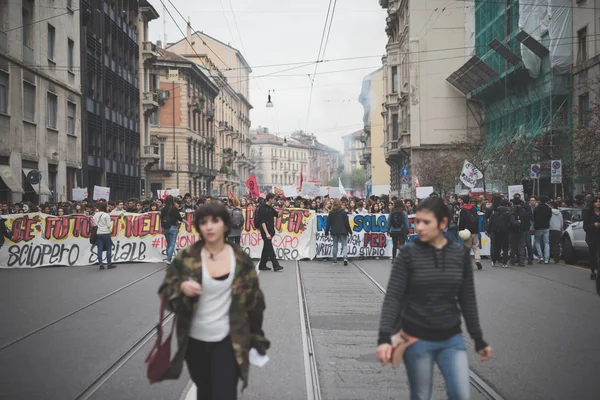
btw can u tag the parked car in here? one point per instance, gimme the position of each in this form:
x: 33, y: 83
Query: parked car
x: 574, y: 247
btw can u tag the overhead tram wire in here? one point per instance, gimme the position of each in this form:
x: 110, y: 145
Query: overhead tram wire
x: 319, y: 57
x: 226, y: 20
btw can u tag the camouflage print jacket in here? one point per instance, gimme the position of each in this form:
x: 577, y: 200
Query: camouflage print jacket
x: 245, y: 313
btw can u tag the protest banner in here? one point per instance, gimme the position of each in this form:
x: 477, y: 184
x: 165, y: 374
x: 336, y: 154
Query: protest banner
x: 79, y: 194
x: 101, y: 192
x: 368, y: 239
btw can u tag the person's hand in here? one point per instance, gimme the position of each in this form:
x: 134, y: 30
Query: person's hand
x: 191, y: 288
x: 485, y: 353
x: 268, y: 237
x: 384, y: 353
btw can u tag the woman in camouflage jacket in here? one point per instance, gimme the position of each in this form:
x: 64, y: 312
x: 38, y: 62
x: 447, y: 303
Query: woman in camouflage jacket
x: 245, y: 311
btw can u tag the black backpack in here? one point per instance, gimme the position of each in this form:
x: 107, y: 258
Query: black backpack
x: 397, y: 220
x: 237, y: 218
x: 499, y: 222
x: 470, y: 218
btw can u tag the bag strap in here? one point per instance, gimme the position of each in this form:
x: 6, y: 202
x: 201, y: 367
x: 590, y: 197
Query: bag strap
x: 159, y: 330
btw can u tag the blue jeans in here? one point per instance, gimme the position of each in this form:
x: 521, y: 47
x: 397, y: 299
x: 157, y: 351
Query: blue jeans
x: 543, y: 234
x: 451, y: 357
x: 104, y: 243
x: 344, y: 240
x: 171, y: 238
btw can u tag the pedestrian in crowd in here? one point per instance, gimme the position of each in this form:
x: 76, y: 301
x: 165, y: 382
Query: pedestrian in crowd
x: 591, y: 225
x: 213, y: 289
x: 119, y: 208
x: 188, y: 206
x: 518, y: 234
x: 4, y: 232
x: 131, y: 205
x: 556, y: 228
x: 397, y: 226
x: 501, y: 219
x: 171, y: 219
x: 375, y: 209
x: 104, y: 223
x: 264, y: 221
x: 338, y: 225
x: 237, y: 222
x: 430, y: 286
x: 541, y: 223
x: 469, y: 219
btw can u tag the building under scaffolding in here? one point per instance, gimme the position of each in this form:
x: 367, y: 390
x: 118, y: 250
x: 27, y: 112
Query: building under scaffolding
x: 517, y: 78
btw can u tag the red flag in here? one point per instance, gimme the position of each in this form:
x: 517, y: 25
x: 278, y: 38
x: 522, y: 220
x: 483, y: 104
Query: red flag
x: 301, y: 180
x: 252, y: 186
x: 231, y: 195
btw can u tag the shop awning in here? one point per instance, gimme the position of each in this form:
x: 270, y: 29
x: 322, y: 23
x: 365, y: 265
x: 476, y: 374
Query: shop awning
x: 472, y: 75
x: 9, y: 179
x: 44, y: 184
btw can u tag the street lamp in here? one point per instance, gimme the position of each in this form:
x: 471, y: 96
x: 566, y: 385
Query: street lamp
x: 269, y: 102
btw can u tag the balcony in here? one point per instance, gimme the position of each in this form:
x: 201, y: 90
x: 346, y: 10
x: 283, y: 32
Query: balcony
x: 151, y: 152
x: 150, y: 102
x: 210, y: 114
x: 28, y: 58
x: 149, y: 52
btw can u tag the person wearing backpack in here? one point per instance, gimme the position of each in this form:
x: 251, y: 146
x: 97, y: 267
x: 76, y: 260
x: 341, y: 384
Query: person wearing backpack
x: 339, y: 227
x: 237, y: 222
x: 170, y: 219
x: 397, y: 226
x: 501, y: 219
x: 264, y: 221
x: 468, y: 218
x: 518, y: 234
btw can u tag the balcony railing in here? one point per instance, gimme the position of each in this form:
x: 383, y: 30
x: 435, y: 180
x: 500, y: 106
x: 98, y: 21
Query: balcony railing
x: 151, y: 151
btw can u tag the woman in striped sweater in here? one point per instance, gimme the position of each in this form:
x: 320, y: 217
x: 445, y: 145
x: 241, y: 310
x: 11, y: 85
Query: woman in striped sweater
x: 430, y: 286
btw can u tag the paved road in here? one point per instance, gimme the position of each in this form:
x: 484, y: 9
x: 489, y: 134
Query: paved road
x: 542, y: 321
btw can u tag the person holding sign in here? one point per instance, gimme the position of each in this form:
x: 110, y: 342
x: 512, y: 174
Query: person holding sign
x: 264, y: 221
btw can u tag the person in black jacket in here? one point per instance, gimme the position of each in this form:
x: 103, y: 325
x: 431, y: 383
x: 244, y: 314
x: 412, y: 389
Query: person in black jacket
x: 518, y: 234
x: 541, y: 224
x: 4, y: 232
x: 397, y: 226
x: 266, y: 215
x: 468, y: 218
x: 430, y: 287
x: 170, y: 219
x: 339, y: 227
x: 591, y: 225
x: 501, y: 220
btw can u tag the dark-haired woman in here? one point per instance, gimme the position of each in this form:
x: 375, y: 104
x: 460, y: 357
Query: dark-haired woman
x: 170, y: 219
x: 397, y: 226
x: 213, y: 289
x: 430, y: 286
x: 591, y: 225
x: 104, y: 223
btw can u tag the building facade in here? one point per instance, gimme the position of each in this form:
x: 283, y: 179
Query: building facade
x: 422, y: 112
x: 40, y: 100
x: 324, y: 162
x: 232, y: 107
x: 376, y: 168
x: 279, y: 162
x: 110, y: 78
x: 354, y: 150
x: 181, y: 127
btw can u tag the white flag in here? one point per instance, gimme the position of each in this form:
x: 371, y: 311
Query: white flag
x: 341, y: 188
x: 470, y: 175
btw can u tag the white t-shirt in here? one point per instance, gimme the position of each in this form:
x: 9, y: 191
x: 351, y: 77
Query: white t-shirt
x: 103, y: 221
x: 211, y: 319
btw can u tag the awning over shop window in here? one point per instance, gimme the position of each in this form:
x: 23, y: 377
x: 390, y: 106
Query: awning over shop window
x: 44, y: 184
x: 9, y: 179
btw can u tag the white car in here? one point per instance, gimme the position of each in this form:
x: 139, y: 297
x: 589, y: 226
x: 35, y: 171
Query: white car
x: 574, y: 247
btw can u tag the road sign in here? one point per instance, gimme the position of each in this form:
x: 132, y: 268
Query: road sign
x: 535, y: 171
x: 405, y: 179
x: 556, y: 179
x: 405, y: 172
x: 34, y: 177
x: 556, y: 167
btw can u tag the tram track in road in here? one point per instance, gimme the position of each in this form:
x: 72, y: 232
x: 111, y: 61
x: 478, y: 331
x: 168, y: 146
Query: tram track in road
x: 475, y: 380
x: 62, y: 318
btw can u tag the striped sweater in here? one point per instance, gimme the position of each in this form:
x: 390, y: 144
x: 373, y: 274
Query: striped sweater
x: 427, y: 292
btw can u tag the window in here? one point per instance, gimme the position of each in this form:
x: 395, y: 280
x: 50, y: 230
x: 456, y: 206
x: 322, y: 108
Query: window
x: 52, y: 102
x: 584, y: 110
x: 70, y: 54
x: 155, y: 118
x: 581, y: 45
x: 71, y: 113
x: 51, y: 37
x: 4, y: 78
x: 394, y: 79
x: 394, y: 126
x: 27, y: 15
x: 28, y: 101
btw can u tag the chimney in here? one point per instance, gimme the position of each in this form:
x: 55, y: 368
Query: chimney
x: 159, y: 44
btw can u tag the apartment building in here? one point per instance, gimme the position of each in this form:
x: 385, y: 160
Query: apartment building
x: 325, y: 163
x: 40, y: 99
x: 181, y: 126
x: 354, y: 149
x: 423, y: 114
x: 231, y: 71
x: 110, y: 78
x: 279, y: 161
x: 377, y: 171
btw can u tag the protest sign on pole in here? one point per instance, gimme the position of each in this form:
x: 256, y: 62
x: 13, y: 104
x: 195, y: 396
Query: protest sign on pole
x: 79, y: 194
x: 470, y: 175
x: 101, y: 192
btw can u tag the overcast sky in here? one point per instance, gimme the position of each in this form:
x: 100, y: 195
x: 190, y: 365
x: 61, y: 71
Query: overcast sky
x: 285, y: 31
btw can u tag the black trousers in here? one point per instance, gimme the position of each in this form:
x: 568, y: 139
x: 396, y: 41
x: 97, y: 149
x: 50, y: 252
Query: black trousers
x: 397, y: 241
x: 213, y: 368
x: 268, y: 252
x: 500, y: 242
x: 555, y: 245
x: 594, y: 248
x: 518, y: 247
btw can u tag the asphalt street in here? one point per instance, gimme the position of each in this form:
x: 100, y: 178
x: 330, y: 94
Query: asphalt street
x: 541, y: 320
